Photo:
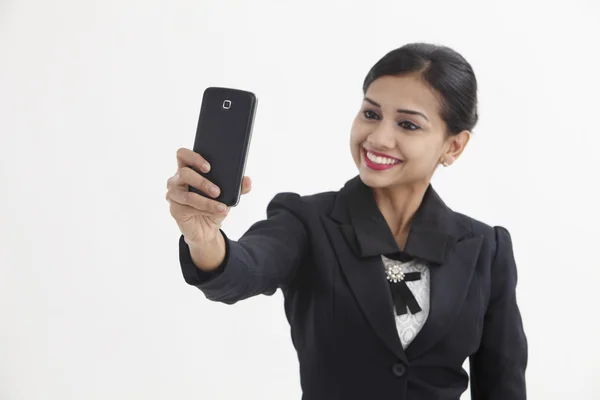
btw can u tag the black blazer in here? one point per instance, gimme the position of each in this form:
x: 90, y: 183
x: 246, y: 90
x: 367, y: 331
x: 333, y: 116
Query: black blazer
x: 324, y: 252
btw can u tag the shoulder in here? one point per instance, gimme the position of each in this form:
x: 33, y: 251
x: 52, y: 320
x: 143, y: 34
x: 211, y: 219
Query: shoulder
x: 496, y: 238
x: 304, y: 205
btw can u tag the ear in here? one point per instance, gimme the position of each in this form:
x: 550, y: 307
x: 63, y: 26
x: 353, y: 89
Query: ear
x: 455, y: 145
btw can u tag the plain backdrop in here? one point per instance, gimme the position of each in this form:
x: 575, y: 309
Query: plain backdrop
x: 97, y: 96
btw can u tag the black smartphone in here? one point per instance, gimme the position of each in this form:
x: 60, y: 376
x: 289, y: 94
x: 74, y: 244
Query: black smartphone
x: 223, y: 139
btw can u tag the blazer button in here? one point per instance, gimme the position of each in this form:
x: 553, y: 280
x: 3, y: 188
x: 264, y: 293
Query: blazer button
x: 398, y: 369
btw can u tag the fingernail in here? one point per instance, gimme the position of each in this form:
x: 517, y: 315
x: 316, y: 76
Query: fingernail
x: 221, y: 208
x: 205, y: 167
x: 214, y: 190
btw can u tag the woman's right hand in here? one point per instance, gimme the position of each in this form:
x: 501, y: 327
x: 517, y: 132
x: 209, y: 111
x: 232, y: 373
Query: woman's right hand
x: 199, y: 218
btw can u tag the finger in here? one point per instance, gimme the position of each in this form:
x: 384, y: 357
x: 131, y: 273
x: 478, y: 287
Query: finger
x: 184, y: 212
x: 200, y: 203
x: 246, y: 185
x: 187, y: 176
x: 174, y: 181
x: 187, y: 157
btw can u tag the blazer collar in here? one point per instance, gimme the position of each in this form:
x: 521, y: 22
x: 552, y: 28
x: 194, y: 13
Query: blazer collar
x: 434, y: 231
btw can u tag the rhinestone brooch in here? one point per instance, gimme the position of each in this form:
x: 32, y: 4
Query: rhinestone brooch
x: 394, y: 273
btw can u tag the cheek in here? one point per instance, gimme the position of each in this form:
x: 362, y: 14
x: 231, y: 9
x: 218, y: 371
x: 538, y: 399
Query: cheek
x: 355, y: 131
x: 357, y: 138
x: 411, y: 149
x: 419, y: 151
x: 355, y: 149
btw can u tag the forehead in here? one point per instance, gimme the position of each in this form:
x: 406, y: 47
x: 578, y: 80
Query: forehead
x: 405, y: 91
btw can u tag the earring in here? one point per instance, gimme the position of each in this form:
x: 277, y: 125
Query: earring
x: 445, y: 163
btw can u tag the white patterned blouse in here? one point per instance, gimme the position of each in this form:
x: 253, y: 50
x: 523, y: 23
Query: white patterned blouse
x: 409, y: 325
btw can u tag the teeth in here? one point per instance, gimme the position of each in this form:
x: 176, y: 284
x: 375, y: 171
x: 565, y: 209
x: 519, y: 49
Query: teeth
x: 380, y: 160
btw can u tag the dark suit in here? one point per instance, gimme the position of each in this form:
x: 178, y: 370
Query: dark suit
x: 324, y: 252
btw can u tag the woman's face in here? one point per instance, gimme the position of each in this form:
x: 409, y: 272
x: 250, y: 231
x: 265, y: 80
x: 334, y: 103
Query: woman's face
x: 398, y: 136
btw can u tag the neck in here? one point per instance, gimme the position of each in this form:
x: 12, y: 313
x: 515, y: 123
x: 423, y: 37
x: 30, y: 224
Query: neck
x: 398, y: 206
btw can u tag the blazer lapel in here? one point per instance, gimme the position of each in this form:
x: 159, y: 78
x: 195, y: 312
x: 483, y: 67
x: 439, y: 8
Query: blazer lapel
x: 442, y: 239
x: 360, y: 235
x: 366, y: 278
x: 449, y: 285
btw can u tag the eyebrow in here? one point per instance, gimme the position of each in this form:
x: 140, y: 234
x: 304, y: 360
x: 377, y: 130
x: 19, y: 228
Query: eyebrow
x: 412, y: 112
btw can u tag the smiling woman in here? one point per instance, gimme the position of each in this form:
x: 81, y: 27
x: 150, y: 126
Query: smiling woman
x: 420, y: 107
x: 388, y: 291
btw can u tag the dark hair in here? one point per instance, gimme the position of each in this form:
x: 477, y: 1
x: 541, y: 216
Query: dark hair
x: 445, y: 70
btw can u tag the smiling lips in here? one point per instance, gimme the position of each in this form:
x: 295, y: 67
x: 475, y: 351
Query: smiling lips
x: 378, y: 161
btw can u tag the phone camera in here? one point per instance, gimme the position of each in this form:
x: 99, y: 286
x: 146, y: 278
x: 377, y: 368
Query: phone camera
x: 227, y: 104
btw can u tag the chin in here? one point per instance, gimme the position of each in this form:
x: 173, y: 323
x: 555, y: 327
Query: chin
x: 375, y: 179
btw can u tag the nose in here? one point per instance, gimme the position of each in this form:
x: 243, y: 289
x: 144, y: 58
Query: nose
x: 382, y: 136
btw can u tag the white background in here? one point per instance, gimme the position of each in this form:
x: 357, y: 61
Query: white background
x: 97, y: 96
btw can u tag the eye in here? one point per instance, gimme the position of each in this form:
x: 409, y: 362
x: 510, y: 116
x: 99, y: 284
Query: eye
x: 370, y: 114
x: 408, y: 125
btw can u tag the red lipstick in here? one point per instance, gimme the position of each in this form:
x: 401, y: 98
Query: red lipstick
x: 379, y: 167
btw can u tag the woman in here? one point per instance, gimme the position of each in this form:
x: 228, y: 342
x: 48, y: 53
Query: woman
x: 387, y: 290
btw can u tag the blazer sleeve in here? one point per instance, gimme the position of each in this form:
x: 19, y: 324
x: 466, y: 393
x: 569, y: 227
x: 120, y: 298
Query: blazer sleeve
x: 264, y: 259
x: 498, y: 367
